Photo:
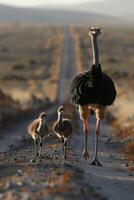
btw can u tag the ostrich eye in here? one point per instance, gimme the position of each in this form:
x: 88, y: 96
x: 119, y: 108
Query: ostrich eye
x: 91, y: 29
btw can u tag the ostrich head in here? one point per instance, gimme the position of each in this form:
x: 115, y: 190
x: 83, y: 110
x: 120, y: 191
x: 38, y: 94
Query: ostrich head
x: 60, y: 113
x: 94, y: 32
x: 42, y: 116
x: 61, y: 110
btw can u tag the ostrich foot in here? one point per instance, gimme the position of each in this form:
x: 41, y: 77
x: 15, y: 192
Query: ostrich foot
x: 36, y: 156
x: 41, y: 156
x: 65, y: 157
x: 47, y: 156
x: 85, y: 155
x: 32, y: 161
x: 96, y: 162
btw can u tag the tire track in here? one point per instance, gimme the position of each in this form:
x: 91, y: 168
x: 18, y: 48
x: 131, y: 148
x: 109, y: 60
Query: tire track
x: 68, y: 66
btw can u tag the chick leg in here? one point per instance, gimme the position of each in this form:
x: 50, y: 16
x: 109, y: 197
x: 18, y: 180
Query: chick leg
x: 62, y: 140
x: 41, y: 150
x: 65, y: 144
x: 36, y: 148
x: 64, y: 147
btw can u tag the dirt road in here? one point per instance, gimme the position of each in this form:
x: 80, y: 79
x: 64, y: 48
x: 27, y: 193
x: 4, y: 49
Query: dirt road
x: 52, y: 178
x: 68, y: 66
x: 112, y: 180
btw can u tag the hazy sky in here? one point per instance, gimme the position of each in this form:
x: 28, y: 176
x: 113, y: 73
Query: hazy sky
x: 40, y: 2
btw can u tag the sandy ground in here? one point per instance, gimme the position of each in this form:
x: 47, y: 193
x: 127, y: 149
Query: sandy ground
x: 47, y: 179
x: 51, y: 177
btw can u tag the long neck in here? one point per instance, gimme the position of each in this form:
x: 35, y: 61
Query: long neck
x: 41, y: 125
x: 60, y: 119
x: 95, y: 51
x: 40, y: 122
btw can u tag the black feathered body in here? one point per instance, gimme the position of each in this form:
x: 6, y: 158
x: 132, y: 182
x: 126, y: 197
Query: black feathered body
x: 64, y: 129
x: 92, y: 87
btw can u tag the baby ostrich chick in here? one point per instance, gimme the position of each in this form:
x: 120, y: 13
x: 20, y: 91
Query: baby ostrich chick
x: 38, y: 130
x: 63, y: 129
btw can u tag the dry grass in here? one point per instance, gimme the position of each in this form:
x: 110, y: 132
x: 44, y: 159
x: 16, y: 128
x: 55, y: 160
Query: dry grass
x: 130, y: 148
x: 30, y: 61
x: 29, y: 67
x: 9, y: 109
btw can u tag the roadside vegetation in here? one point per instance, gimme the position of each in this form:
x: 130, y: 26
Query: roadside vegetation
x: 29, y: 68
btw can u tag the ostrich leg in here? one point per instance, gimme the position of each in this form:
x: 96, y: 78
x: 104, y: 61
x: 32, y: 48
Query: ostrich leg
x: 84, y: 116
x: 95, y: 158
x: 86, y: 130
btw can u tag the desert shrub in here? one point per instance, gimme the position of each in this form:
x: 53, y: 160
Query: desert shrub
x: 129, y: 148
x: 4, y: 49
x: 14, y: 77
x: 9, y: 109
x: 18, y: 67
x: 33, y: 62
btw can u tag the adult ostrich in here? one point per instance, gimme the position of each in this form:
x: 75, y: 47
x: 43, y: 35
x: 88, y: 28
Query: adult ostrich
x: 92, y: 91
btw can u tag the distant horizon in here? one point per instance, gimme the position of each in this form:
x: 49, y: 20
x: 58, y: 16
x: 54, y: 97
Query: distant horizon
x: 33, y: 3
x: 113, y: 8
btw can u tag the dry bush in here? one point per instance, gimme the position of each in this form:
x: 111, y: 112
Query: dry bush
x: 129, y: 148
x: 9, y: 109
x: 29, y: 68
x: 30, y: 61
x: 129, y: 153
